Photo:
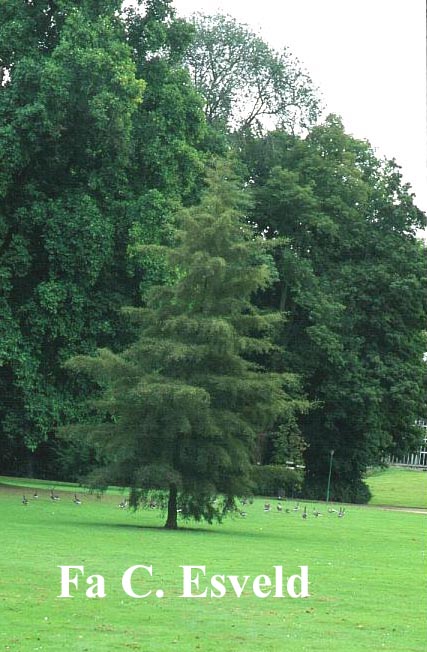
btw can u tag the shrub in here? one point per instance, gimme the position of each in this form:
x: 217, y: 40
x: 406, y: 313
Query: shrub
x: 275, y: 479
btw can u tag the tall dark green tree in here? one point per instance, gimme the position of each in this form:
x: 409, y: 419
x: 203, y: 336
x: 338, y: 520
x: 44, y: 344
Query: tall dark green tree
x: 66, y: 115
x: 170, y: 137
x: 92, y: 156
x: 181, y: 409
x: 351, y: 288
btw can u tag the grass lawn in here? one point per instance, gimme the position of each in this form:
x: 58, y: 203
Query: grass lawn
x: 366, y: 571
x: 399, y: 487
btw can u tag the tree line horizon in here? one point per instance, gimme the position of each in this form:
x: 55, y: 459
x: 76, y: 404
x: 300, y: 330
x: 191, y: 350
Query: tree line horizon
x: 199, y: 275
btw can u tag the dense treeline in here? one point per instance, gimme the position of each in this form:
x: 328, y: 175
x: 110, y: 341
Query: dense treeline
x: 351, y: 289
x: 100, y: 141
x: 109, y: 124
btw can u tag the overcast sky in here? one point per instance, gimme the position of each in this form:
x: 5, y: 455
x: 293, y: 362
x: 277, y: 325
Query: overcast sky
x: 367, y: 57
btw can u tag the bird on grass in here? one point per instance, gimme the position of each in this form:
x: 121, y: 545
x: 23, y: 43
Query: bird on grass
x: 243, y: 514
x: 341, y: 512
x: 304, y: 514
x: 35, y: 495
x: 316, y: 513
x: 279, y: 507
x: 76, y: 500
x: 331, y: 510
x: 24, y: 500
x: 267, y: 507
x: 123, y: 504
x: 296, y: 508
x: 54, y: 496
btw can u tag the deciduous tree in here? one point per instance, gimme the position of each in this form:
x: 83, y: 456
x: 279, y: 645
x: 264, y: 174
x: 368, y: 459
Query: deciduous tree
x: 244, y: 82
x: 93, y: 155
x: 351, y: 288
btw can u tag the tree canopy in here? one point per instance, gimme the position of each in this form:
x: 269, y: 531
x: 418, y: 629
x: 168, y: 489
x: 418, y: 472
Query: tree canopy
x: 92, y: 156
x: 351, y: 287
x: 183, y: 405
x: 244, y: 82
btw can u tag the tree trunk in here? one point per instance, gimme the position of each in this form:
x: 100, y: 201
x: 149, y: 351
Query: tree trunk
x: 171, y: 522
x: 283, y: 296
x: 29, y: 470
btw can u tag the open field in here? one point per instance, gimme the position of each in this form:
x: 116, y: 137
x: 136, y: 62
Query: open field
x: 367, y: 578
x: 398, y: 487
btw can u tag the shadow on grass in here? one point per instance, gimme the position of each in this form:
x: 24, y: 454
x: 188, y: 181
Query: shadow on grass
x: 186, y: 529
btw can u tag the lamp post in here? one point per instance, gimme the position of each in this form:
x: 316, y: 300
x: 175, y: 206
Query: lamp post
x: 329, y: 477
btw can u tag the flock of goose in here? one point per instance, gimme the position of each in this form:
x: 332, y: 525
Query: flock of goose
x: 304, y: 513
x: 124, y: 504
x: 54, y: 497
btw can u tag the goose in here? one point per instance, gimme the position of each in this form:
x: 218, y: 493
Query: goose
x: 341, y: 512
x: 24, y: 500
x: 243, y: 514
x: 304, y: 514
x: 331, y: 510
x: 267, y: 507
x: 279, y: 507
x: 76, y: 500
x: 35, y: 494
x: 296, y: 508
x: 316, y: 513
x: 123, y: 504
x: 53, y: 496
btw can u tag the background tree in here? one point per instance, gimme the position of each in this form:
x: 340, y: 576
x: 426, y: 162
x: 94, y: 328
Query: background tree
x: 244, y: 82
x: 351, y: 289
x: 183, y: 406
x: 170, y: 137
x: 85, y: 169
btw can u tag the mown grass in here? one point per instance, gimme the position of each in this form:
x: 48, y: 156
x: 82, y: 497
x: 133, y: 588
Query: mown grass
x: 366, y: 571
x: 398, y: 487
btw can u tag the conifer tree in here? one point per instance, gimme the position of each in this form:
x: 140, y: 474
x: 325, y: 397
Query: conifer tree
x: 182, y: 407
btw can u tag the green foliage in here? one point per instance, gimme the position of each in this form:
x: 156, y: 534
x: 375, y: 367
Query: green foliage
x: 276, y: 480
x: 68, y: 104
x: 287, y: 445
x: 245, y: 84
x: 102, y: 140
x: 351, y: 288
x: 169, y: 128
x: 181, y: 408
x: 99, y: 137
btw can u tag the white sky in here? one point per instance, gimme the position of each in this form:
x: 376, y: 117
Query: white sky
x: 368, y: 57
